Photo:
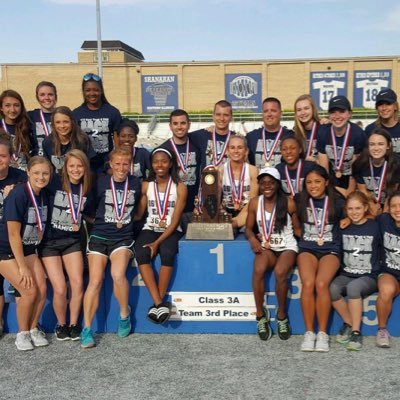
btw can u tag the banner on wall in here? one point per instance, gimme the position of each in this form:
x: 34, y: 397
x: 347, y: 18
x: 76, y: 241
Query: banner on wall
x: 159, y: 93
x: 367, y: 84
x: 326, y: 84
x: 243, y: 91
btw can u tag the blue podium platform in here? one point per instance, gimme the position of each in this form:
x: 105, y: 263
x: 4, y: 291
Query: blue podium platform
x: 212, y: 293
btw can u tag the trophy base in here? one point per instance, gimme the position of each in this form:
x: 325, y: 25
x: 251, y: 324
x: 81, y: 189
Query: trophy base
x: 210, y: 231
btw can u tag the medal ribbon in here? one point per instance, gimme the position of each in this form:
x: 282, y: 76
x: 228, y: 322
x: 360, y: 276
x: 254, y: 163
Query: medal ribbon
x: 312, y: 139
x: 119, y: 207
x: 296, y: 188
x: 267, y: 224
x: 237, y: 192
x: 219, y: 160
x: 15, y: 156
x: 39, y: 217
x: 339, y: 165
x: 75, y: 211
x: 269, y: 152
x: 183, y: 163
x: 324, y: 215
x: 44, y: 124
x: 162, y: 206
x: 381, y: 180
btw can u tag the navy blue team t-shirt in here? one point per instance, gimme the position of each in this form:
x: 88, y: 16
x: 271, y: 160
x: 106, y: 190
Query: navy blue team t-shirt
x: 391, y: 244
x: 13, y: 177
x: 18, y: 206
x: 361, y: 250
x: 100, y: 126
x: 102, y: 207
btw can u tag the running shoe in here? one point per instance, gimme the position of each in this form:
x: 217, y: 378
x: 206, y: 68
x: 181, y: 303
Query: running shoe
x: 163, y: 312
x: 355, y: 342
x: 124, y: 325
x: 343, y: 336
x: 383, y: 338
x: 308, y: 343
x: 263, y: 328
x: 322, y: 342
x: 23, y: 341
x: 74, y: 332
x: 38, y: 338
x: 283, y: 327
x: 86, y: 338
x: 62, y: 332
x: 152, y: 314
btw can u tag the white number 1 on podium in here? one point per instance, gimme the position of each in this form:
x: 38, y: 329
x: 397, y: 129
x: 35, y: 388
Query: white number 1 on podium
x: 219, y: 251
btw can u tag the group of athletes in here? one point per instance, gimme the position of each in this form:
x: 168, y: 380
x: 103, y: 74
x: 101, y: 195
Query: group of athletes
x: 323, y: 196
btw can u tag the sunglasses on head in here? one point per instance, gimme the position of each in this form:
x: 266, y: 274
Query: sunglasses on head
x: 91, y: 76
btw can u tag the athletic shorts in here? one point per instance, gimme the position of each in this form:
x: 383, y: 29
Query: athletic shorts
x: 1, y: 285
x: 353, y: 288
x: 28, y: 251
x: 319, y: 255
x: 60, y: 247
x: 167, y: 249
x: 106, y: 247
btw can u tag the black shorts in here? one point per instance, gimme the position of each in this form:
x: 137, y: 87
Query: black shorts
x: 318, y: 254
x: 106, y: 247
x: 167, y: 249
x: 60, y: 247
x: 1, y: 285
x: 28, y: 251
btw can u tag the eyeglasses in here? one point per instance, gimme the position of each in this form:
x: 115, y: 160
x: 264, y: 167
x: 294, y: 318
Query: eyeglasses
x: 91, y: 76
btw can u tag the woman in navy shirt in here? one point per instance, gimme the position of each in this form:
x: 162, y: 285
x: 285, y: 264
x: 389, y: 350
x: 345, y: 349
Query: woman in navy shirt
x: 61, y: 248
x: 21, y: 230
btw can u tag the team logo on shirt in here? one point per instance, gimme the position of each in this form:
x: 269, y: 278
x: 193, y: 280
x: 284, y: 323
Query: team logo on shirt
x: 98, y: 130
x: 357, y: 253
x: 109, y: 214
x: 61, y: 215
x: 391, y: 244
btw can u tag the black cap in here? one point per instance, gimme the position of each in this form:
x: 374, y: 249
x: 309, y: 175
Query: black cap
x: 339, y: 102
x: 386, y: 96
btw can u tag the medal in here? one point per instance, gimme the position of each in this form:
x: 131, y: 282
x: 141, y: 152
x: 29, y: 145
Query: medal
x: 339, y: 161
x: 378, y: 191
x: 44, y: 123
x: 294, y: 188
x: 75, y: 208
x: 218, y: 160
x: 320, y: 227
x: 39, y: 214
x: 236, y: 191
x: 267, y: 224
x: 119, y: 207
x: 310, y: 150
x: 162, y: 205
x: 182, y: 161
x: 266, y: 244
x: 267, y: 164
x: 270, y: 151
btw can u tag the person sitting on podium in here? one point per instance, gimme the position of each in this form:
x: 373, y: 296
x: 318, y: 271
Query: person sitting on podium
x: 238, y: 181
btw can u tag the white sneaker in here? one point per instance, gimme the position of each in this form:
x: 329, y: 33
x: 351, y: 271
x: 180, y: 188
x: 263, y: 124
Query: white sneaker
x: 308, y: 342
x: 23, y: 341
x: 38, y: 338
x: 322, y: 343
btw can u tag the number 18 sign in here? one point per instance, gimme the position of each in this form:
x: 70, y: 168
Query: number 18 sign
x: 367, y: 84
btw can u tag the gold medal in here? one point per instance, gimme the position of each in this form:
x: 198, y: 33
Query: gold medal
x: 75, y: 227
x: 119, y: 225
x: 162, y: 224
x: 266, y: 245
x: 236, y: 206
x: 338, y: 174
x: 320, y: 241
x: 267, y: 164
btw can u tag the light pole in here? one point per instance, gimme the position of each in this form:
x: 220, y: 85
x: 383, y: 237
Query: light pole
x: 99, y: 48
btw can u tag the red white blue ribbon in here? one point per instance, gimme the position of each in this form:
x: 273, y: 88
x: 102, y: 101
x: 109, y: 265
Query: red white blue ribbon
x: 44, y: 123
x: 381, y: 180
x: 119, y: 207
x: 270, y: 151
x: 338, y: 161
x: 320, y: 227
x: 75, y: 211
x: 312, y: 139
x: 218, y: 160
x: 237, y: 192
x: 39, y: 215
x: 183, y: 163
x: 267, y: 224
x: 162, y: 205
x: 294, y: 188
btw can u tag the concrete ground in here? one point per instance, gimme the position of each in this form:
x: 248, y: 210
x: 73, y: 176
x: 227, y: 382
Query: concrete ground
x: 197, y: 367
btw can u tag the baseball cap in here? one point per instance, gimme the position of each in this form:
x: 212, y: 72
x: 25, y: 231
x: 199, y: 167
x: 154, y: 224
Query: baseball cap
x: 269, y: 171
x: 340, y: 102
x: 386, y: 96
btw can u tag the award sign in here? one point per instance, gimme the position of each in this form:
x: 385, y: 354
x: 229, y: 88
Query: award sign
x: 210, y: 220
